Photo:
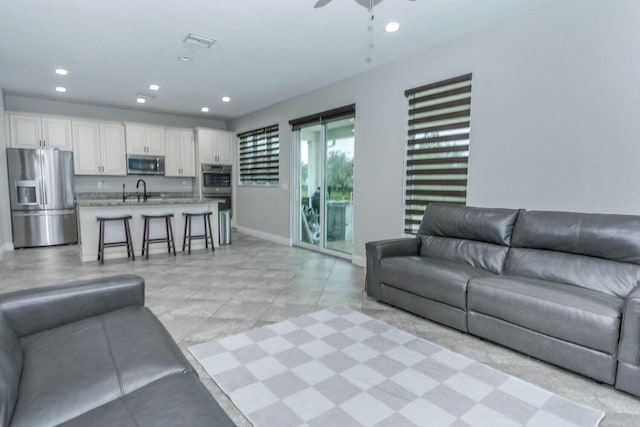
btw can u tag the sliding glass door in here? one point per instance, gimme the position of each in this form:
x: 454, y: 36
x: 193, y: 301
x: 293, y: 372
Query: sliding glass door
x: 324, y: 202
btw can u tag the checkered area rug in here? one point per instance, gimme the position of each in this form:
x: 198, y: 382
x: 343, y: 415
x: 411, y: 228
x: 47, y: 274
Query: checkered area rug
x: 339, y: 367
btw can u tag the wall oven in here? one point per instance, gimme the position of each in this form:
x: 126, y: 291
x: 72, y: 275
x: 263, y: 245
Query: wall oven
x: 216, y: 184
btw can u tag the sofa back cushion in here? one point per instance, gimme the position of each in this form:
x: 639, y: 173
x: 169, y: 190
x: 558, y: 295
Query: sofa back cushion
x: 613, y: 237
x: 487, y: 256
x: 478, y: 237
x: 595, y: 251
x: 490, y: 225
x: 10, y: 370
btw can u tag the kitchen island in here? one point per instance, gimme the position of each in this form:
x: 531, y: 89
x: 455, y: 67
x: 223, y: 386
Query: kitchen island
x: 89, y: 210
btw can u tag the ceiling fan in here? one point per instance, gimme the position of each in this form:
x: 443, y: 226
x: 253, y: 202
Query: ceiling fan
x: 369, y: 4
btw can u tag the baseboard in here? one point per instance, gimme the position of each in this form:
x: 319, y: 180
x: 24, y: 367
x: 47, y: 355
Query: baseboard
x: 360, y: 261
x: 6, y: 247
x: 265, y: 236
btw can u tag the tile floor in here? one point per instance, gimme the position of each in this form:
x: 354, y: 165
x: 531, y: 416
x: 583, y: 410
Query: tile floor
x: 254, y: 282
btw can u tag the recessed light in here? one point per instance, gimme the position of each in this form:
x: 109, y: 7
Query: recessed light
x: 392, y: 27
x: 140, y: 100
x: 226, y: 99
x: 205, y: 109
x: 154, y: 87
x: 61, y: 89
x: 185, y: 58
x: 61, y: 71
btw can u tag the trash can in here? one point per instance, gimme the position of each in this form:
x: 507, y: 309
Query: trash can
x: 224, y: 227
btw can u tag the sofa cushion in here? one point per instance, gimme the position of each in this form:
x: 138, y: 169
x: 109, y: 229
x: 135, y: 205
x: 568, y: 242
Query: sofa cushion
x: 91, y: 362
x: 571, y: 313
x: 10, y: 369
x: 489, y: 225
x: 439, y: 280
x: 610, y: 277
x: 175, y: 400
x: 487, y: 256
x: 608, y: 236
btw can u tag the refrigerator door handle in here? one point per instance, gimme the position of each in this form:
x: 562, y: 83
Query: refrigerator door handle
x: 43, y: 193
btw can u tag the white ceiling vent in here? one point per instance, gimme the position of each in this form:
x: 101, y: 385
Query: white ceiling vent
x: 198, y: 40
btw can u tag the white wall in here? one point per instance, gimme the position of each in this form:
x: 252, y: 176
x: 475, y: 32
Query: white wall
x: 554, y: 120
x: 6, y: 240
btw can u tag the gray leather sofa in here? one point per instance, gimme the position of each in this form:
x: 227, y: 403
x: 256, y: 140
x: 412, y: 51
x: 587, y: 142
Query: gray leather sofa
x: 90, y: 354
x: 559, y: 286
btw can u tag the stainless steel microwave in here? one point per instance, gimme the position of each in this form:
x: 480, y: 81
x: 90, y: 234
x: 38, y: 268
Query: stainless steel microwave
x: 145, y: 165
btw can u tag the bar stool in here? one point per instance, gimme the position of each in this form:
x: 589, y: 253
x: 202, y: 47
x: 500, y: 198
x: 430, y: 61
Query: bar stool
x: 127, y: 235
x: 168, y: 239
x: 208, y: 232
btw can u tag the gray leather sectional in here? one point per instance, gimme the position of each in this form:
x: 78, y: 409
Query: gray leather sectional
x: 90, y: 354
x: 559, y: 286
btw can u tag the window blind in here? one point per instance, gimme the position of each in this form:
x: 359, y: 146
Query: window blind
x: 259, y: 156
x: 437, y: 146
x: 325, y: 116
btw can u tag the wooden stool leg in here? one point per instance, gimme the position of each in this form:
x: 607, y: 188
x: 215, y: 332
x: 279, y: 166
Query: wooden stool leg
x: 146, y: 236
x: 173, y: 243
x: 189, y: 235
x: 129, y: 239
x: 166, y: 226
x: 101, y: 243
x: 126, y: 239
x: 206, y: 235
x: 184, y: 235
x: 213, y: 248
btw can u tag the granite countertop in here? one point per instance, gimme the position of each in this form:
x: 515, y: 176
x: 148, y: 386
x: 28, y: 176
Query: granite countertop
x: 133, y: 201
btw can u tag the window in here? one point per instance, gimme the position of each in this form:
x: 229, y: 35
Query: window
x: 259, y: 156
x: 437, y: 146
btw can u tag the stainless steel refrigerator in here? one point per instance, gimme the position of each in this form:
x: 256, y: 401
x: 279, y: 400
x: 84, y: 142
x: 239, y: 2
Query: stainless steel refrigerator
x: 42, y: 200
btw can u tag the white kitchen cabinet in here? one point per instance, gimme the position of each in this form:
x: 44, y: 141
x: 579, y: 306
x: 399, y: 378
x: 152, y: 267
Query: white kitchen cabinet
x: 216, y: 147
x: 145, y: 140
x: 225, y: 147
x: 33, y: 131
x: 179, y: 153
x: 99, y: 148
x: 114, y: 154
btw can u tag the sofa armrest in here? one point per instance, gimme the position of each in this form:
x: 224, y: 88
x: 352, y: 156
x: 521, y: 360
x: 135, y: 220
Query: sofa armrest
x: 39, y: 309
x: 384, y: 249
x: 629, y: 345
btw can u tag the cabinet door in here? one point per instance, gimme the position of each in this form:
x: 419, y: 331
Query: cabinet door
x: 206, y: 146
x: 225, y: 143
x: 114, y: 155
x: 56, y: 133
x: 25, y: 131
x: 154, y: 137
x: 188, y: 154
x: 86, y: 148
x: 136, y: 140
x: 172, y: 158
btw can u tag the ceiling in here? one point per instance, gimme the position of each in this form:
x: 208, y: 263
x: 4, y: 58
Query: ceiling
x: 266, y: 50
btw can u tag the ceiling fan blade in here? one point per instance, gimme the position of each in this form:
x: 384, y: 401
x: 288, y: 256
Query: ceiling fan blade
x: 367, y: 3
x: 321, y: 3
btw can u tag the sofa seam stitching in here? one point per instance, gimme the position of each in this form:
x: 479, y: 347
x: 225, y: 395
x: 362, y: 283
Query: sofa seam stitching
x: 115, y: 365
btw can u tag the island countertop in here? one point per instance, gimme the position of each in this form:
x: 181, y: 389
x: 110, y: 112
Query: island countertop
x: 90, y: 209
x: 133, y: 201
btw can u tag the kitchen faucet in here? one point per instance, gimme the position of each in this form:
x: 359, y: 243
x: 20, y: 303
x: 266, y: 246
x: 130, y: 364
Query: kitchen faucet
x: 144, y: 187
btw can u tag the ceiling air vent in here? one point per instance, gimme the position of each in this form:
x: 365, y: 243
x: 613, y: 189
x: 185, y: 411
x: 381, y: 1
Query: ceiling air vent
x: 198, y: 40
